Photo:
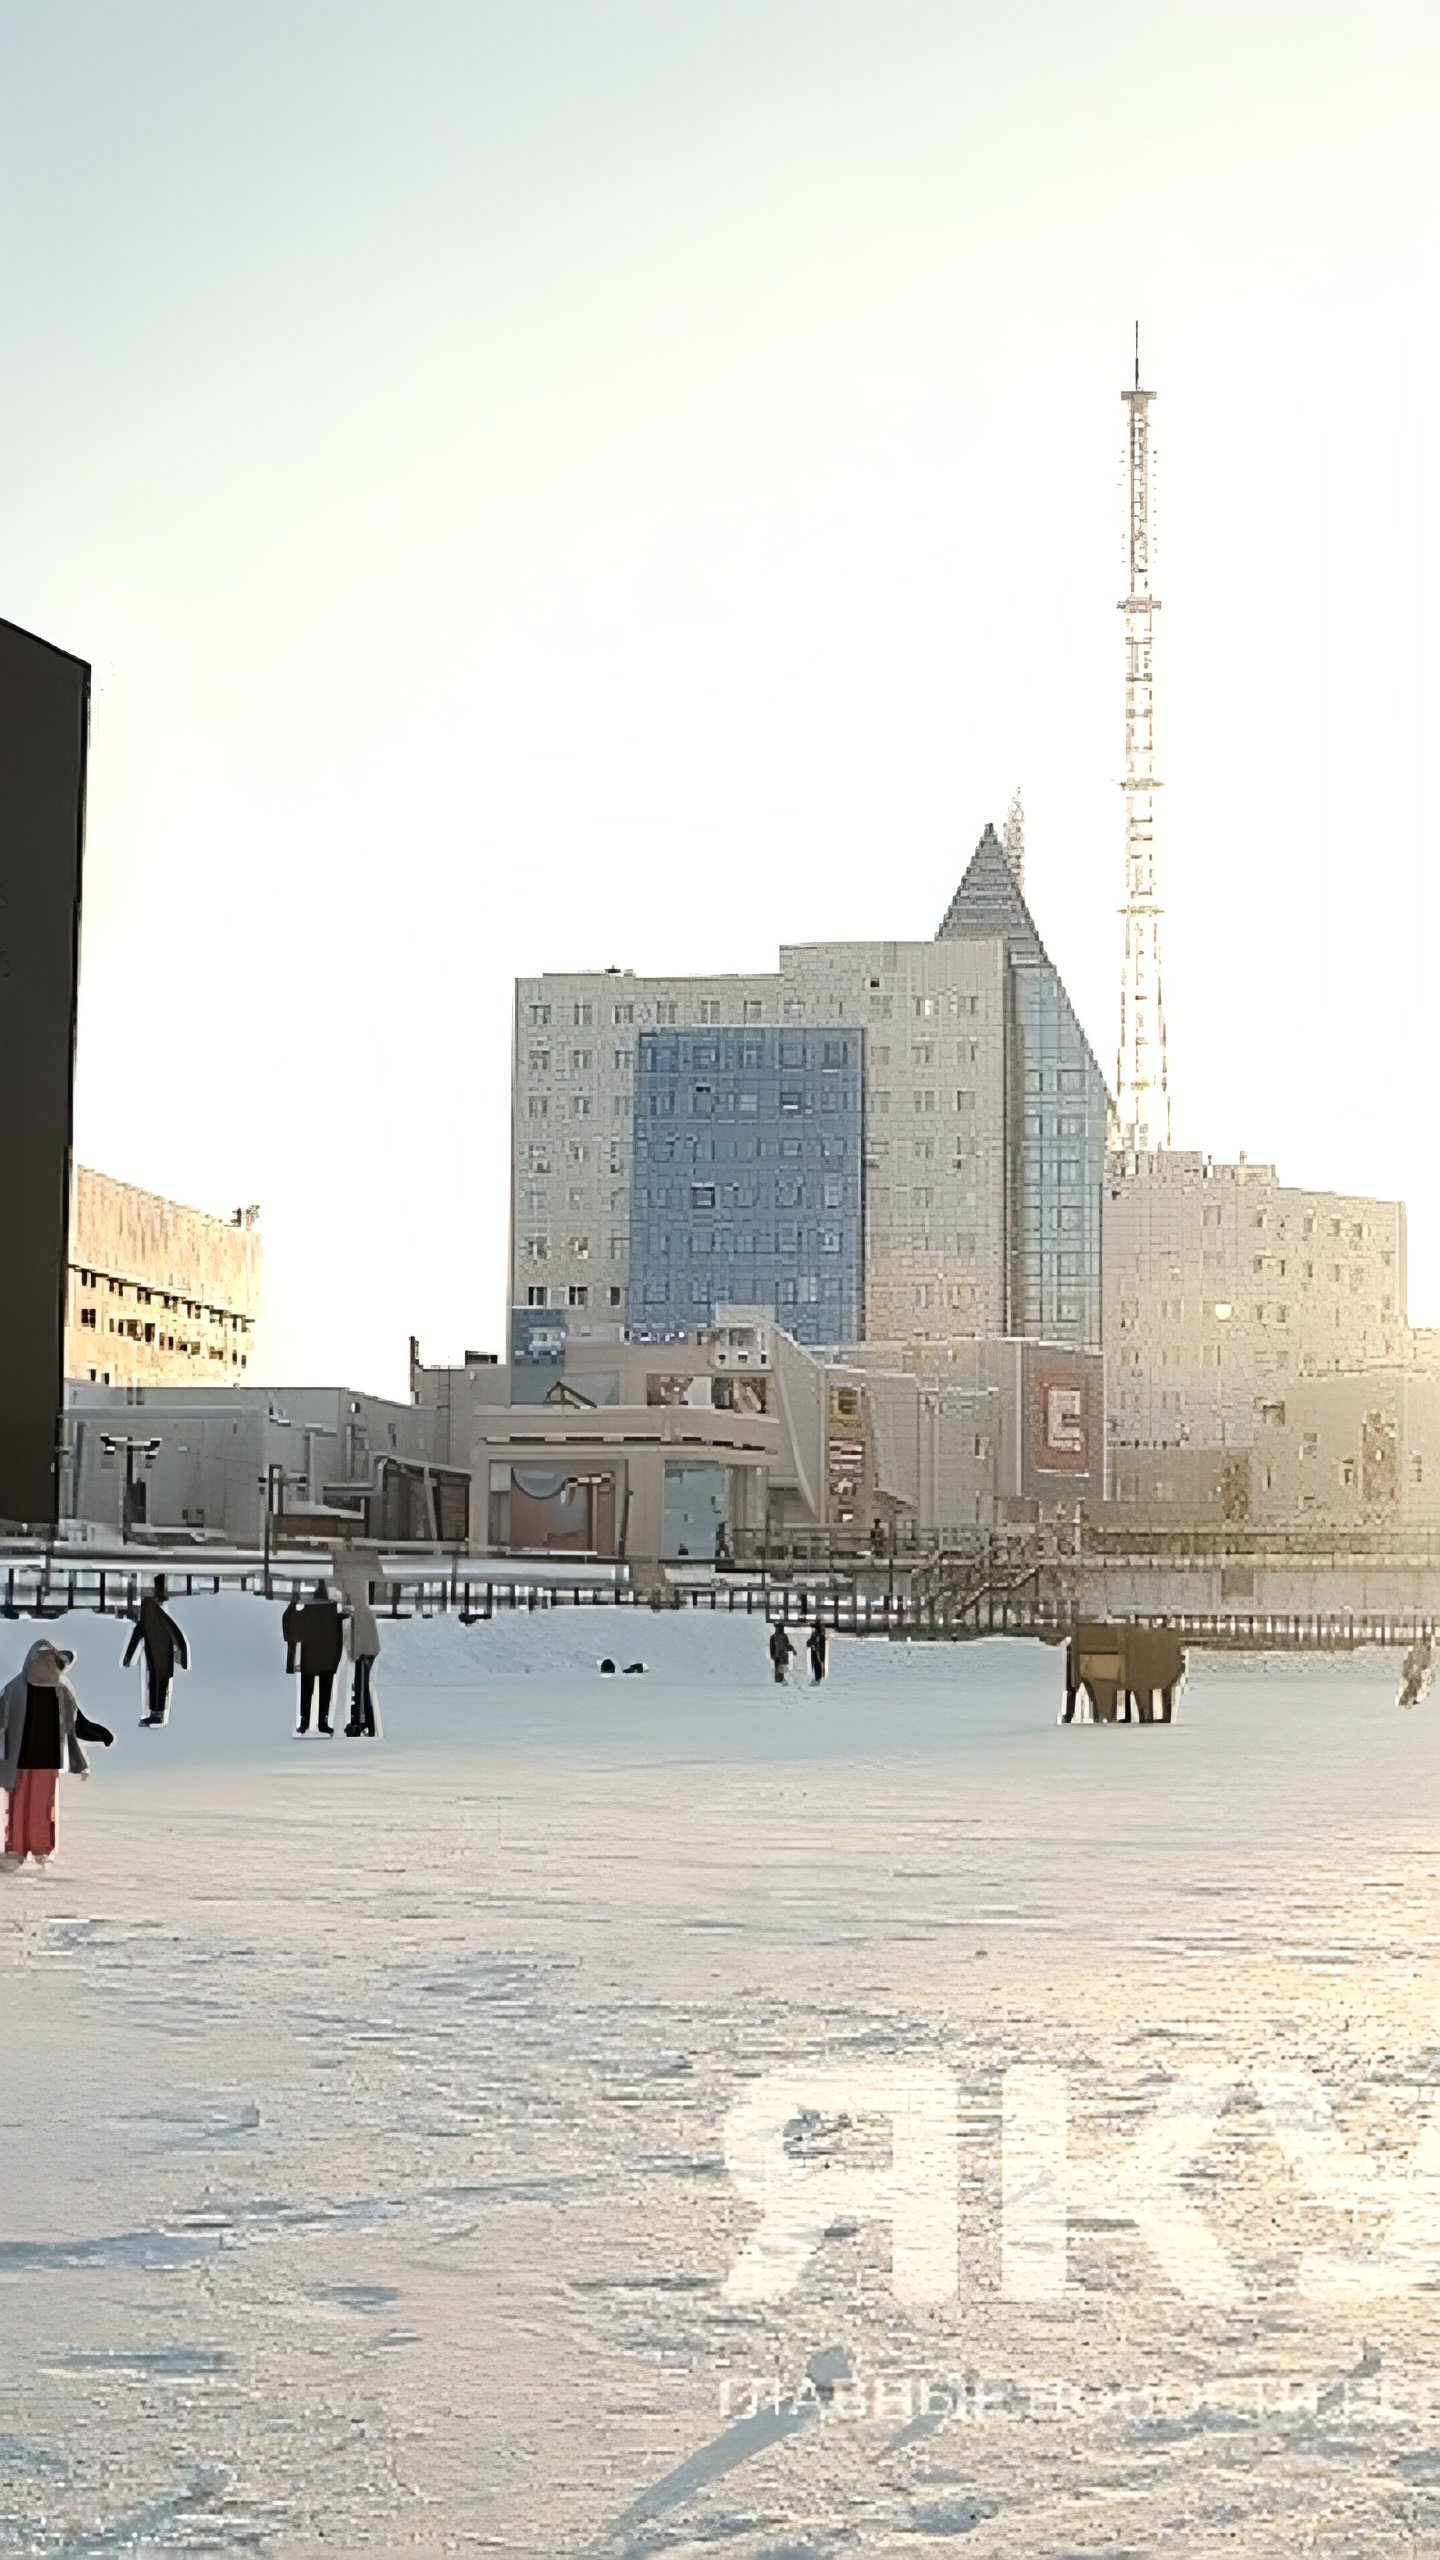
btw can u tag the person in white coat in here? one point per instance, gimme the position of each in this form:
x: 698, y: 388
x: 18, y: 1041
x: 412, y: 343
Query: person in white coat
x: 42, y: 1731
x: 362, y: 1639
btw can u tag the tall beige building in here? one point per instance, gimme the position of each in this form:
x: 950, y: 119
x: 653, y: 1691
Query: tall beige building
x: 979, y: 1125
x: 1221, y: 1284
x: 935, y: 1095
x: 158, y: 1294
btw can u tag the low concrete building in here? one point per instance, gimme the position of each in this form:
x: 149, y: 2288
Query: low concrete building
x: 214, y: 1461
x: 158, y: 1294
x: 738, y: 1435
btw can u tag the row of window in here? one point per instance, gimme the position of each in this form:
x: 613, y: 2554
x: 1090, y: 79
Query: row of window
x: 577, y: 1295
x: 542, y: 1160
x: 734, y: 1243
x: 924, y: 1100
x: 709, y: 1102
x: 748, y: 1147
x: 580, y: 1062
x: 794, y: 1289
x: 168, y: 1299
x: 928, y: 1053
x: 665, y: 1057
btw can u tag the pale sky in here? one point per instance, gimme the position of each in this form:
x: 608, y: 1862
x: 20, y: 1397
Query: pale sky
x: 553, y: 482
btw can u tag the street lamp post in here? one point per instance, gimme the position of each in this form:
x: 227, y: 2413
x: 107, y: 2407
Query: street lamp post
x: 115, y: 1441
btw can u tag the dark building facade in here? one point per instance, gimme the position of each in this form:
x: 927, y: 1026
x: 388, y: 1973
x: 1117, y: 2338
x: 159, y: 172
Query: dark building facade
x: 748, y: 1179
x: 44, y: 736
x: 1057, y: 1116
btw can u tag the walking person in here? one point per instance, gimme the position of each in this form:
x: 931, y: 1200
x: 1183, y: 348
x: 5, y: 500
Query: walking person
x: 362, y: 1638
x: 818, y: 1648
x: 164, y: 1645
x: 322, y: 1649
x: 42, y: 1731
x: 781, y: 1650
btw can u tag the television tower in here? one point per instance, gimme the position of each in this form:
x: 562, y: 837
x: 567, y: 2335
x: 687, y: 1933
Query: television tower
x: 1142, y: 1086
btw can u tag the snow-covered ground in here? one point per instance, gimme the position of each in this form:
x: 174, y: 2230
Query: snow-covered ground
x: 362, y: 2107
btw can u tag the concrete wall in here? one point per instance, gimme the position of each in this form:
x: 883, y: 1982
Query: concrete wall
x: 1354, y: 1452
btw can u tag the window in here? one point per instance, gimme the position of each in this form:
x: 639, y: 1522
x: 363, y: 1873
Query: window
x: 579, y: 1248
x: 581, y: 1061
x: 583, y: 1015
x: 702, y: 1195
x: 578, y: 1294
x: 537, y: 1297
x: 539, y: 1017
x: 616, y: 1296
x: 926, y: 1008
x: 87, y: 1315
x: 538, y: 1248
x: 539, y: 1062
x: 792, y: 1101
x: 581, y: 1106
x: 624, y: 1061
x: 539, y: 1106
x: 709, y: 1009
x: 666, y: 1011
x: 752, y: 1010
x: 621, y: 1014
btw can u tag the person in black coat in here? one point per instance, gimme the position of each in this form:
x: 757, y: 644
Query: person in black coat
x: 781, y: 1650
x: 164, y: 1645
x: 322, y: 1649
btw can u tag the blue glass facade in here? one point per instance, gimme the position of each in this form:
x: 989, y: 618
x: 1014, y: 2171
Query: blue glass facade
x: 748, y: 1179
x: 1057, y: 1112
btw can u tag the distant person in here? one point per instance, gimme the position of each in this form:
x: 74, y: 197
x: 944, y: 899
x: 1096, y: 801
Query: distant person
x: 290, y: 1630
x: 722, y: 1546
x: 164, y: 1645
x: 1416, y: 1672
x: 322, y: 1650
x: 781, y: 1650
x: 42, y: 1730
x: 362, y: 1640
x: 818, y: 1648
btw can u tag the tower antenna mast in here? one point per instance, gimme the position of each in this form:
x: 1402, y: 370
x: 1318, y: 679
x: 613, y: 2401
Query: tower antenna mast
x: 1142, y: 1085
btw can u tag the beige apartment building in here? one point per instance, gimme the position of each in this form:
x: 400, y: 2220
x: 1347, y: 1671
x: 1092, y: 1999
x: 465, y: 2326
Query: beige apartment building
x: 1222, y: 1285
x: 158, y: 1294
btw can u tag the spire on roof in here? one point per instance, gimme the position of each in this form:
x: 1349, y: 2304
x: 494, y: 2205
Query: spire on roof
x: 1013, y: 841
